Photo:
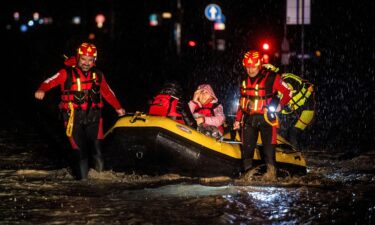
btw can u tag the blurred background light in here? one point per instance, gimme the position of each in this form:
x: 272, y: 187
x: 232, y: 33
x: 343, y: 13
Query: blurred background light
x: 99, y: 19
x: 76, y: 20
x: 35, y: 16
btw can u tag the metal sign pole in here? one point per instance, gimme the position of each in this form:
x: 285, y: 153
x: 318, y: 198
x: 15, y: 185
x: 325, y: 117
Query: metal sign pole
x: 212, y: 13
x: 298, y: 13
x: 302, y: 38
x: 178, y: 28
x: 213, y: 37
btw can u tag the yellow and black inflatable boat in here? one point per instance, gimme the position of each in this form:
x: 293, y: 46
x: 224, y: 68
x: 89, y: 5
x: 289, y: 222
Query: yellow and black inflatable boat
x: 158, y: 145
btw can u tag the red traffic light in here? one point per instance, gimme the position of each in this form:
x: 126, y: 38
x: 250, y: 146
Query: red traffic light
x: 265, y: 46
x: 192, y: 43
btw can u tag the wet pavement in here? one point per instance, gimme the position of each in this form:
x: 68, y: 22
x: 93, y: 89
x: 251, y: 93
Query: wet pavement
x: 35, y: 189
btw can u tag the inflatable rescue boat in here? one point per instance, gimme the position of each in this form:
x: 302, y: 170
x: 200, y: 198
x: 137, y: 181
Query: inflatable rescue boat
x: 157, y: 145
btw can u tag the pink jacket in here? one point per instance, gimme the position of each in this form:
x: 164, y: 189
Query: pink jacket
x: 219, y: 118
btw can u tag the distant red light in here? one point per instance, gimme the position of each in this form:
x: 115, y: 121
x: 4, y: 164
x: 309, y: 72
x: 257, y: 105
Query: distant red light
x: 153, y: 23
x: 266, y: 46
x: 192, y: 43
x: 266, y: 58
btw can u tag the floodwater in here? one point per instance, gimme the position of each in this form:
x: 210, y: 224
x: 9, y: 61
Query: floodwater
x: 338, y: 189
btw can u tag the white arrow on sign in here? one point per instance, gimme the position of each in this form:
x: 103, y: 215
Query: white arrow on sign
x: 212, y: 12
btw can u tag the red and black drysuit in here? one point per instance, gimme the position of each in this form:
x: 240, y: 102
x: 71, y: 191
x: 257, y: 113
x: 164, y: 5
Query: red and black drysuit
x: 168, y: 102
x: 256, y: 94
x: 84, y: 91
x: 166, y: 105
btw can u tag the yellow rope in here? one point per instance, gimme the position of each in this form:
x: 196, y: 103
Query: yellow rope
x: 69, y: 126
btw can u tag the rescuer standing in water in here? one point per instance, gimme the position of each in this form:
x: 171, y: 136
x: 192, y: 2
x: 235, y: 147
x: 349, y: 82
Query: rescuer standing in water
x: 83, y: 86
x: 260, y: 90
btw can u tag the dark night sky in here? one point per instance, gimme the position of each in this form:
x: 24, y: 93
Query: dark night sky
x: 138, y: 58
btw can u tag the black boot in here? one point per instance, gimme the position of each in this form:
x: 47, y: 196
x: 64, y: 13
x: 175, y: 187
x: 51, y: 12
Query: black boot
x: 246, y: 164
x: 80, y: 170
x: 270, y: 175
x: 293, y: 136
x: 79, y: 165
x: 97, y: 157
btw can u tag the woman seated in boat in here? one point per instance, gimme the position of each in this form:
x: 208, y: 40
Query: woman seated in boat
x: 169, y: 102
x: 207, y: 111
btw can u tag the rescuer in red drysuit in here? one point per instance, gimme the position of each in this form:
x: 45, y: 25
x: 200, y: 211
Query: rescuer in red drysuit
x: 260, y: 100
x: 82, y: 86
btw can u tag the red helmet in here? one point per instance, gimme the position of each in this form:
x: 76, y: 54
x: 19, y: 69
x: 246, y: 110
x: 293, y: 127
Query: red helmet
x: 252, y: 58
x: 87, y: 49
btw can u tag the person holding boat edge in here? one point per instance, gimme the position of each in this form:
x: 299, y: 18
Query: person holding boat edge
x: 82, y: 86
x: 260, y: 100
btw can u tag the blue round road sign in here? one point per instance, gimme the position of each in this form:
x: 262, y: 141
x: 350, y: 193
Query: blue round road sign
x: 212, y: 12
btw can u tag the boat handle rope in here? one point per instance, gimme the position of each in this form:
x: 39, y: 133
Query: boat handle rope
x: 136, y: 117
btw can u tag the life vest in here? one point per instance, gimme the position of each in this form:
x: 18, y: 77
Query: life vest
x: 165, y: 105
x: 208, y: 110
x: 302, y: 90
x: 256, y: 96
x: 83, y: 92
